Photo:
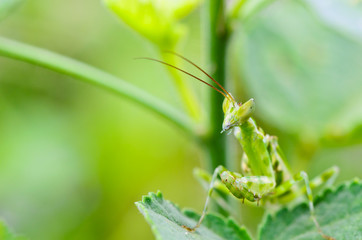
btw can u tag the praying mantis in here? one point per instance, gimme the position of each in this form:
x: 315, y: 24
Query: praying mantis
x: 265, y: 173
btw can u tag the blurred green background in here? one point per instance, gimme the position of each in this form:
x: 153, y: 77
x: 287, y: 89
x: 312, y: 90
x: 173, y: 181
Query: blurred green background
x: 74, y: 159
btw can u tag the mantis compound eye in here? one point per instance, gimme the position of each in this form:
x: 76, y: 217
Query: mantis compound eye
x: 226, y: 105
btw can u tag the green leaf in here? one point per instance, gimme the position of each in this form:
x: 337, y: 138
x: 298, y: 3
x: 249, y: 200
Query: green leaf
x: 5, y: 234
x: 8, y: 6
x: 338, y: 212
x: 167, y: 220
x: 304, y: 77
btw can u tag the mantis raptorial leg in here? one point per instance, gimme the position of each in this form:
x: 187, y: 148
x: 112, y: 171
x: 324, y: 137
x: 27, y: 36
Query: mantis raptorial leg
x: 266, y: 173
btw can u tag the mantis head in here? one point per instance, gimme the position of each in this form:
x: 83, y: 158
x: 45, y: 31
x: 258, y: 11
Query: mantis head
x: 236, y: 113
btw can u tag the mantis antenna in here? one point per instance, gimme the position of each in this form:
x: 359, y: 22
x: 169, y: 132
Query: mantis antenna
x: 170, y: 65
x: 195, y: 65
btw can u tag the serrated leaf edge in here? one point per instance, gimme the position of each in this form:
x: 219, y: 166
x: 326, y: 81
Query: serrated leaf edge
x: 229, y: 221
x: 142, y: 208
x: 317, y: 200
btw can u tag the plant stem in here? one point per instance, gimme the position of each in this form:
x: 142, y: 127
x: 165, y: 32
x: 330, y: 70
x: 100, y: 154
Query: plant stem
x: 94, y: 76
x: 191, y: 103
x: 217, y: 38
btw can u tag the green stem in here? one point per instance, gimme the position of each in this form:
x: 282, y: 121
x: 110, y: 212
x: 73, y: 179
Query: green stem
x: 217, y: 43
x: 94, y: 76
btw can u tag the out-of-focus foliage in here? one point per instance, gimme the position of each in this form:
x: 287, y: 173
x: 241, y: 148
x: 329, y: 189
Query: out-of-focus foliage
x: 167, y: 222
x: 339, y: 213
x: 8, y: 6
x: 306, y: 79
x: 5, y: 234
x: 341, y: 15
x: 156, y: 20
x: 74, y: 159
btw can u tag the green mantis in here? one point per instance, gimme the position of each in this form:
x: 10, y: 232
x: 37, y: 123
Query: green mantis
x: 265, y: 176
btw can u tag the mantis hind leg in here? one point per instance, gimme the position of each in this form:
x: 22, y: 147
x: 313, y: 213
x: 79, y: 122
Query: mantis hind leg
x: 327, y: 176
x: 303, y: 176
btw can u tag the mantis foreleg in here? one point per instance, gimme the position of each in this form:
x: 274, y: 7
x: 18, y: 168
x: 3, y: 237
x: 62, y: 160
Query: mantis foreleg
x: 250, y: 187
